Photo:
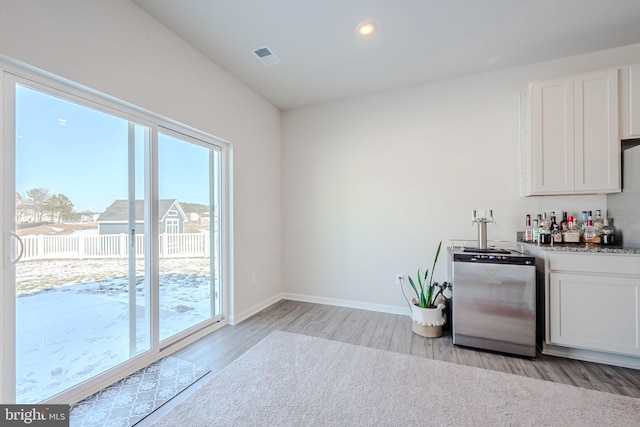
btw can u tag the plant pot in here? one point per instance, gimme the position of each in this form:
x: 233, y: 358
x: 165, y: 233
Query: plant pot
x: 426, y: 331
x: 427, y: 322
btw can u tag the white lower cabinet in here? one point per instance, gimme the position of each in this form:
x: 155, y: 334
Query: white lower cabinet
x: 598, y: 311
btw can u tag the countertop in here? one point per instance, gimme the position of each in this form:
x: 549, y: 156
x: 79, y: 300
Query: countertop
x: 586, y: 248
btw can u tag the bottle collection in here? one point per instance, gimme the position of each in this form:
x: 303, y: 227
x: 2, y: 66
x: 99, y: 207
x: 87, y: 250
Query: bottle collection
x: 570, y: 229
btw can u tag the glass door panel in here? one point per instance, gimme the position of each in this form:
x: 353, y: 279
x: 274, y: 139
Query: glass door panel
x: 189, y: 193
x: 81, y: 295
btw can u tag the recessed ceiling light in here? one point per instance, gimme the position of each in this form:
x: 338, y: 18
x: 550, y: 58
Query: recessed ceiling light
x: 366, y: 28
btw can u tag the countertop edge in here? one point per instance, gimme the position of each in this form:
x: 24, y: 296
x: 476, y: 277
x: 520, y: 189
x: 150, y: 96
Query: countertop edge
x: 584, y: 248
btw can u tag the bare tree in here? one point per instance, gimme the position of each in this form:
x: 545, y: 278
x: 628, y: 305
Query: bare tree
x: 20, y: 207
x: 38, y: 196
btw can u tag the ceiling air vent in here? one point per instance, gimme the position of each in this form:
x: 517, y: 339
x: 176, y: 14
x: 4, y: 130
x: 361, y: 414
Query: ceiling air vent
x: 266, y: 56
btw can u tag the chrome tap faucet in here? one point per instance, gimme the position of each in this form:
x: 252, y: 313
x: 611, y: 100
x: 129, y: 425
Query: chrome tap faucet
x: 482, y: 220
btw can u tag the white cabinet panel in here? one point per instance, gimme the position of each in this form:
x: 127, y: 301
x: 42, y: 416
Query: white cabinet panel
x: 597, y: 147
x: 595, y: 312
x: 599, y: 263
x: 570, y: 139
x: 553, y: 149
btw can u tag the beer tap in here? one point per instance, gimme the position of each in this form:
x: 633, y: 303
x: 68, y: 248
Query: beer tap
x: 482, y: 220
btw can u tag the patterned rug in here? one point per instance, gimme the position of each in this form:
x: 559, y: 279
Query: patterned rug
x: 130, y: 400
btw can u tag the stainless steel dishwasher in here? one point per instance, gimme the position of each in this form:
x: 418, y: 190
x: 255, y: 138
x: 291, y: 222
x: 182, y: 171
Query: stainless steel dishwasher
x: 494, y: 300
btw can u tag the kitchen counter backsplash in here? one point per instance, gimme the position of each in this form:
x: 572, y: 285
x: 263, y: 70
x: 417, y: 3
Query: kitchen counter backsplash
x: 586, y: 247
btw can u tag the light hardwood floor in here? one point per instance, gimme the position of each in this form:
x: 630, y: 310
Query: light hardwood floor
x: 389, y: 332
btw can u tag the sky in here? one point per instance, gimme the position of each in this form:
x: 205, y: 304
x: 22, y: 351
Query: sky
x: 81, y: 152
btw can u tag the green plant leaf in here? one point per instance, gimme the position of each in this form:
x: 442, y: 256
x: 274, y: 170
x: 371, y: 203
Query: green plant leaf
x: 427, y: 299
x: 435, y: 260
x: 414, y: 287
x: 421, y: 296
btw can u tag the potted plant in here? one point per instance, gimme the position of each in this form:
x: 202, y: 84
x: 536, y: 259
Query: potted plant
x: 427, y: 310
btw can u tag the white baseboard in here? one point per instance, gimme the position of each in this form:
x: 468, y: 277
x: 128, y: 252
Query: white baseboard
x: 392, y: 309
x: 234, y: 318
x: 382, y: 308
x: 592, y: 356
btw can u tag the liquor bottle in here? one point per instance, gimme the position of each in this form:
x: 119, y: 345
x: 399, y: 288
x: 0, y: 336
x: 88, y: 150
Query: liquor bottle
x: 583, y: 223
x: 545, y: 224
x: 536, y: 231
x: 589, y: 232
x: 528, y: 230
x: 545, y: 230
x: 556, y: 235
x: 598, y: 222
x: 572, y: 235
x: 564, y: 224
x: 608, y: 233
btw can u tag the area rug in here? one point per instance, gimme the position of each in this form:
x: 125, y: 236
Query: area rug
x: 295, y: 380
x: 130, y: 400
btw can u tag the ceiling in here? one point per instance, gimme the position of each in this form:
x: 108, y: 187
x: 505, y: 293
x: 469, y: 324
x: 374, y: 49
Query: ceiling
x: 417, y: 41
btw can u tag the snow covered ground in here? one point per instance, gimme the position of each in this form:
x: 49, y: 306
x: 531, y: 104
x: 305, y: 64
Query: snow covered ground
x: 73, y: 317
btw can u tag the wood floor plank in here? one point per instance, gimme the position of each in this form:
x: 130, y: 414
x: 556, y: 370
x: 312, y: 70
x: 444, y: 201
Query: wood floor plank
x: 523, y: 367
x: 327, y: 330
x: 612, y: 375
x: 495, y: 362
x: 381, y: 337
x: 581, y: 375
x: 632, y: 375
x: 307, y: 323
x: 350, y: 327
x: 549, y: 369
x: 401, y: 335
x: 313, y: 324
x: 368, y: 327
x: 468, y: 357
x: 421, y: 347
x: 443, y: 349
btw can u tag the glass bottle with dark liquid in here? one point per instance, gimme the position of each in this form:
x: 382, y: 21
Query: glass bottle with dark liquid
x: 607, y: 234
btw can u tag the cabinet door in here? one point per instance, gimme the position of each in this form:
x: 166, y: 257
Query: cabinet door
x: 597, y: 145
x: 595, y: 312
x: 552, y: 136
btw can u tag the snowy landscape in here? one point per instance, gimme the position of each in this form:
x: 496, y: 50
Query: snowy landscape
x: 73, y: 317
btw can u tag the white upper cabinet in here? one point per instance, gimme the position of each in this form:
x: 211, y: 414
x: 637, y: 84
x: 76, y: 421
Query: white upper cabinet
x: 597, y: 141
x: 630, y: 102
x: 553, y: 137
x: 570, y: 142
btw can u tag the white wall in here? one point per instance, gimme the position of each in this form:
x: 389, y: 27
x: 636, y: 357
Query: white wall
x: 371, y: 184
x: 116, y: 48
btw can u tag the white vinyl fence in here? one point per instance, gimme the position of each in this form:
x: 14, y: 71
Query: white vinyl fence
x: 181, y: 245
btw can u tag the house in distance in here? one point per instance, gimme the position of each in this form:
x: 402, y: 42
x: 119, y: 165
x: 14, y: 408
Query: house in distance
x: 115, y: 219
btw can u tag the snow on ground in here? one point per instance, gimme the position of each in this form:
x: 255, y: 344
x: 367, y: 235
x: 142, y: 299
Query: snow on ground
x: 85, y: 233
x: 73, y: 317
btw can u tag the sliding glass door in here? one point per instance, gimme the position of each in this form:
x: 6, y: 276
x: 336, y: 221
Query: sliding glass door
x: 112, y: 243
x: 189, y: 193
x: 81, y: 305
